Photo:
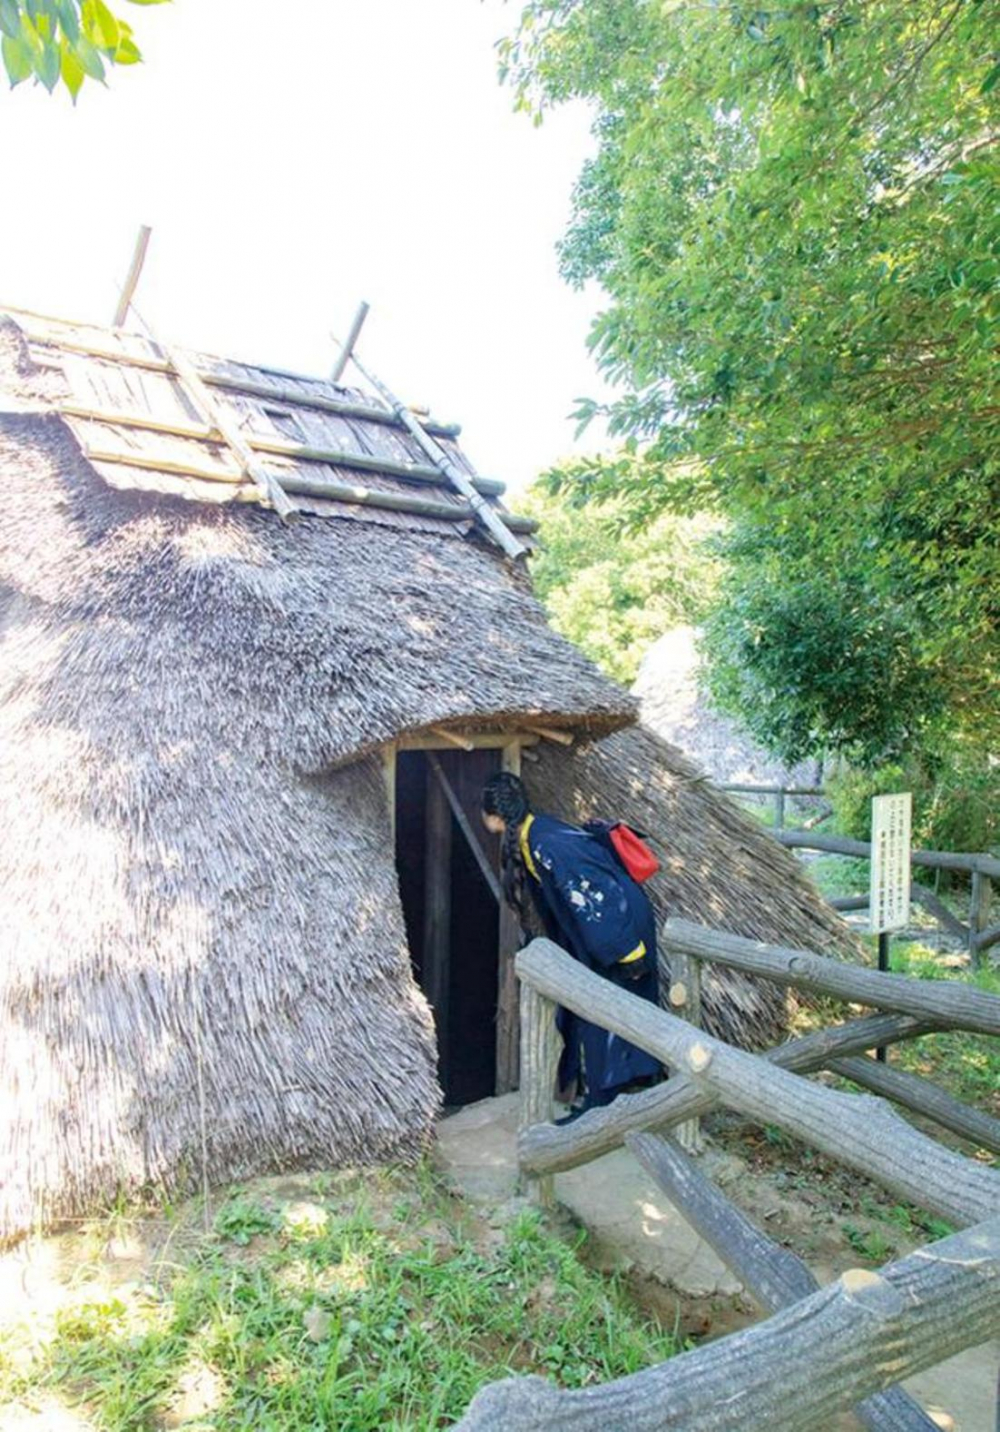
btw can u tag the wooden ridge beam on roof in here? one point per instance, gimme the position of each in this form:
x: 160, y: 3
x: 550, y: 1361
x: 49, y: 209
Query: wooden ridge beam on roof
x: 343, y: 407
x: 302, y: 486
x: 301, y: 452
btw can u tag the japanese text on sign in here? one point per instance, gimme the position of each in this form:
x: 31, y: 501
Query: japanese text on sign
x: 890, y: 877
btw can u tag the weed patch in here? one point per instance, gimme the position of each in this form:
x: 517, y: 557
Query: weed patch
x: 348, y: 1310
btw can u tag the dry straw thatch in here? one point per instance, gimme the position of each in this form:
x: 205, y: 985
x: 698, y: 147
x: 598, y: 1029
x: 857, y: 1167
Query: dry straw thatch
x: 202, y: 932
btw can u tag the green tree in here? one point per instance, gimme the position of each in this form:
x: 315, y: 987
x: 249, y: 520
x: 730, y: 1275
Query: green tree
x: 67, y: 40
x: 609, y: 587
x: 792, y: 210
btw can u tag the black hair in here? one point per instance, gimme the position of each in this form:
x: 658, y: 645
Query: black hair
x: 504, y: 795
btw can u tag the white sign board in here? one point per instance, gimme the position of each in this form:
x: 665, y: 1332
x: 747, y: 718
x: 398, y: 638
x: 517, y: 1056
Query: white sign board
x: 890, y: 881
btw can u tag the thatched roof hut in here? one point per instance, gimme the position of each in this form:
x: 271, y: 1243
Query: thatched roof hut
x: 230, y: 877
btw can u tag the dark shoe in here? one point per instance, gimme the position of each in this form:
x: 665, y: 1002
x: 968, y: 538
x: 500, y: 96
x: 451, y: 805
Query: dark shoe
x: 569, y: 1118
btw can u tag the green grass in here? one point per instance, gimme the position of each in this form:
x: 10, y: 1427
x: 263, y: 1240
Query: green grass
x: 871, y: 1244
x: 346, y: 1313
x: 967, y: 1065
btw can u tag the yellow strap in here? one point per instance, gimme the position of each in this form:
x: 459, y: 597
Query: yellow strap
x: 525, y: 849
x: 636, y: 954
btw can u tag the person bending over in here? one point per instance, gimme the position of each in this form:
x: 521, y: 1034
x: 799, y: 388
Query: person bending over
x: 591, y: 906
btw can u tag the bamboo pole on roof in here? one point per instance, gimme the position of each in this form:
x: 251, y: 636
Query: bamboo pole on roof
x: 303, y: 486
x: 490, y: 519
x: 352, y: 338
x: 252, y: 468
x: 132, y: 277
x: 296, y: 452
x: 275, y: 393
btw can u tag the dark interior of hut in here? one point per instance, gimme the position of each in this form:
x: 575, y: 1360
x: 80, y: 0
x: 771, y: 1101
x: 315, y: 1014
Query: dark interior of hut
x: 452, y: 920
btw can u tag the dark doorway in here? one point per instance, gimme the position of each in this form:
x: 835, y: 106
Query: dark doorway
x: 452, y: 916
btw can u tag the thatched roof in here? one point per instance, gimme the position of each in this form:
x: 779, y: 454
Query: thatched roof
x: 200, y: 903
x: 718, y: 867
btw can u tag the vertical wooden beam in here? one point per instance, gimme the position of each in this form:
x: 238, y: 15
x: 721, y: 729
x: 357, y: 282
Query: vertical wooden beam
x: 685, y: 1000
x: 508, y: 945
x: 437, y: 913
x: 779, y: 810
x: 540, y: 1044
x: 389, y: 776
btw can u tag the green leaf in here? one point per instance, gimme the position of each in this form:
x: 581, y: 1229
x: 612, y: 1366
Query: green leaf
x: 16, y: 59
x: 10, y: 19
x: 991, y: 79
x: 128, y: 52
x: 90, y: 61
x: 106, y: 33
x: 69, y: 19
x: 47, y: 66
x: 72, y: 71
x: 149, y: 2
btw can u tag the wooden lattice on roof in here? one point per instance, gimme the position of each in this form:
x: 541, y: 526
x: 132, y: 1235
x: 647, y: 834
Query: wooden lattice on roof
x: 214, y: 430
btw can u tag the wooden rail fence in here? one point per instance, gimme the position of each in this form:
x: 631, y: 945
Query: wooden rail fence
x: 978, y: 933
x: 822, y: 1350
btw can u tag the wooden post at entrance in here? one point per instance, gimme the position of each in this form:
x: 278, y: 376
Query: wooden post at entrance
x: 685, y: 999
x: 509, y: 943
x: 437, y: 911
x: 540, y: 1046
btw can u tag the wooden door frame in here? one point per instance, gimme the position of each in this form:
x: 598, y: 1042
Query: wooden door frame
x: 510, y: 745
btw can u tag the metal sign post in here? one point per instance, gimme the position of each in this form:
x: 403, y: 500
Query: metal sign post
x: 889, y: 895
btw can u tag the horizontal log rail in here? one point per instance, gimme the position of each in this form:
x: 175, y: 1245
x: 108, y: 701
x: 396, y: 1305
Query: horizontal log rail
x: 546, y: 1149
x: 931, y: 859
x: 772, y: 1275
x: 859, y: 1130
x: 959, y: 1006
x: 794, y: 1371
x: 919, y: 895
x: 823, y: 1350
x: 771, y: 790
x: 922, y: 1097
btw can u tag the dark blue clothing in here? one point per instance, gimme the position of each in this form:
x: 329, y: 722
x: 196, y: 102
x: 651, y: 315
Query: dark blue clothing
x: 592, y: 907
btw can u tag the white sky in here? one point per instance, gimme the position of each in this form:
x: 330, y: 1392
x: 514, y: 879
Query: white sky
x: 295, y: 162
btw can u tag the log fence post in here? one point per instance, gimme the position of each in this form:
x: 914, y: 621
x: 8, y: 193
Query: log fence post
x: 979, y: 914
x: 685, y: 1000
x: 539, y: 1058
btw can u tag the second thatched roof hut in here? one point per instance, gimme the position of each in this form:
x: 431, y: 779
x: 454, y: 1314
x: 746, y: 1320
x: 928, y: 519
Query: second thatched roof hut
x: 235, y: 756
